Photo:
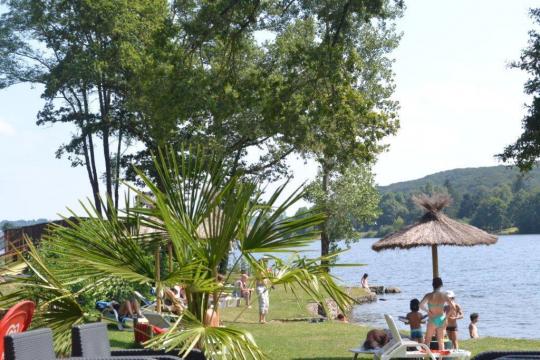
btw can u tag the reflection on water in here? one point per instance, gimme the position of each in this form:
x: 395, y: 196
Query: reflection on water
x: 501, y: 282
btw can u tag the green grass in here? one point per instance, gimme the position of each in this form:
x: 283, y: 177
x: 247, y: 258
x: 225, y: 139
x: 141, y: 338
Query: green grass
x: 301, y: 340
x: 284, y: 305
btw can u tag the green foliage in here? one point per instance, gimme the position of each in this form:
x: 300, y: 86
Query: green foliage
x: 198, y: 208
x: 84, y: 54
x: 491, y: 214
x: 350, y: 201
x: 526, y: 212
x: 526, y: 150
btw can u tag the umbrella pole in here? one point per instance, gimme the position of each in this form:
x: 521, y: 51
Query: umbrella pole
x: 435, y: 260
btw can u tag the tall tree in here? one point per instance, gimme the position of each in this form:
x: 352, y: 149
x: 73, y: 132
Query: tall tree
x: 330, y: 82
x: 350, y: 200
x: 526, y: 150
x: 83, y: 52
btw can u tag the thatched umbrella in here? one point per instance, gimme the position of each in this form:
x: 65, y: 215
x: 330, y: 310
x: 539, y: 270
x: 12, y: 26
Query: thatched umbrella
x: 434, y: 229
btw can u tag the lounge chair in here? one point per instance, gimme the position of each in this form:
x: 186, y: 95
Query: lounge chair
x: 92, y: 341
x: 38, y: 345
x: 397, y: 347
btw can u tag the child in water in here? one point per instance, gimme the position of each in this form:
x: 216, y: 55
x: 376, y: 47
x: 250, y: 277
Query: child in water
x: 453, y: 315
x: 473, y: 330
x: 415, y: 319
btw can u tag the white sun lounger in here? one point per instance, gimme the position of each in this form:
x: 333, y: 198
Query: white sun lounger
x: 397, y: 347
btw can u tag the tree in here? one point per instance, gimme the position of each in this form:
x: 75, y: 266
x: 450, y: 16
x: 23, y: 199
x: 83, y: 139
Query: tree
x: 491, y: 215
x: 329, y: 85
x: 83, y: 52
x: 201, y: 210
x: 526, y: 150
x: 350, y: 201
x: 525, y: 210
x: 467, y: 206
x: 391, y: 209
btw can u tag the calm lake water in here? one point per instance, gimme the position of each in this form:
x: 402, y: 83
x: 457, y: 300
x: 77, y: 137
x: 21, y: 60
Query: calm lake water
x: 501, y: 282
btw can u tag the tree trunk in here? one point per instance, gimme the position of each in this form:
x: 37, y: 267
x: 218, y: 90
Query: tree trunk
x: 117, y: 169
x: 325, y: 240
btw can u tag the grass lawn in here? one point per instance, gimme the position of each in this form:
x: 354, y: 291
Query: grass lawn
x: 301, y: 340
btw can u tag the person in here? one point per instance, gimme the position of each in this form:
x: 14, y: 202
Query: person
x: 130, y: 308
x: 172, y: 301
x: 364, y: 282
x: 342, y: 318
x: 436, y: 302
x: 473, y: 330
x: 264, y: 299
x: 245, y: 291
x: 211, y: 317
x: 415, y: 319
x: 376, y: 339
x: 453, y: 317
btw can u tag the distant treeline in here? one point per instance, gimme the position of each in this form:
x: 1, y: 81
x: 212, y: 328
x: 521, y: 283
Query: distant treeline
x: 496, y: 199
x: 492, y: 198
x: 6, y: 224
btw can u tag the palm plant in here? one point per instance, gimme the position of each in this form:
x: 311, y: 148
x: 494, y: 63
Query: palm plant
x: 199, y: 212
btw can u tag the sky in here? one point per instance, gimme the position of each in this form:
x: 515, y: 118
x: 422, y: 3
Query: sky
x: 460, y: 105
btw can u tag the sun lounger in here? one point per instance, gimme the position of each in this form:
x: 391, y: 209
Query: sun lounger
x: 405, y: 348
x: 397, y: 347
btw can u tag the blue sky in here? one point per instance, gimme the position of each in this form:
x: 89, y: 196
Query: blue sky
x: 460, y: 105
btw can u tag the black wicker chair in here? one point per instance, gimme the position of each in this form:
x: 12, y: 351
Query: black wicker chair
x: 492, y: 355
x: 38, y: 345
x: 91, y: 340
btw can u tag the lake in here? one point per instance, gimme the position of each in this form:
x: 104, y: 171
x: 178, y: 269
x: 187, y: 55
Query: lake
x: 501, y: 282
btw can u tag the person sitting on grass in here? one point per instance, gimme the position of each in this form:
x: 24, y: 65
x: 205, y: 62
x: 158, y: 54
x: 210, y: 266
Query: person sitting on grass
x: 415, y: 319
x: 473, y: 330
x: 453, y: 317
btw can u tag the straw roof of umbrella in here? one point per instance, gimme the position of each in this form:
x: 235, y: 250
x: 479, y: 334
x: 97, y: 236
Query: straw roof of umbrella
x: 435, y: 228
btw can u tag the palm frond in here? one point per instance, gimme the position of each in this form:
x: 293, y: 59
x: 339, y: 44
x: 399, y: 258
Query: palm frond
x: 218, y: 342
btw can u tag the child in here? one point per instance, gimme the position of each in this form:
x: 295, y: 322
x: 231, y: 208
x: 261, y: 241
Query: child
x: 473, y: 330
x: 453, y: 315
x: 264, y: 299
x: 415, y: 319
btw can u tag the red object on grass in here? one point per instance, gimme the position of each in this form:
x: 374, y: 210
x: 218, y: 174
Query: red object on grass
x: 16, y: 320
x: 144, y: 332
x: 438, y: 352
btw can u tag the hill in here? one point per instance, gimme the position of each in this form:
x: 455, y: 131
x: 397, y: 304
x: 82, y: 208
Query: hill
x: 470, y: 179
x: 494, y: 198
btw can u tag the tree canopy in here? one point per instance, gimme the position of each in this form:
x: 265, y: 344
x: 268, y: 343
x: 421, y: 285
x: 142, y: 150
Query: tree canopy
x: 526, y: 150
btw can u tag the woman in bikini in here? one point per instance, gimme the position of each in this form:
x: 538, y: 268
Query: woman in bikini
x: 435, y: 308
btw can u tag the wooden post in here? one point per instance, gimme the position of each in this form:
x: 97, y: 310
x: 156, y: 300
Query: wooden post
x: 170, y: 254
x: 158, y: 279
x: 435, y: 260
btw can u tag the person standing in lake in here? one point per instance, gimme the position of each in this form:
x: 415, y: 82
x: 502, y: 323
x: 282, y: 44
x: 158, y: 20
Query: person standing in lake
x: 364, y: 282
x: 473, y: 330
x: 434, y: 303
